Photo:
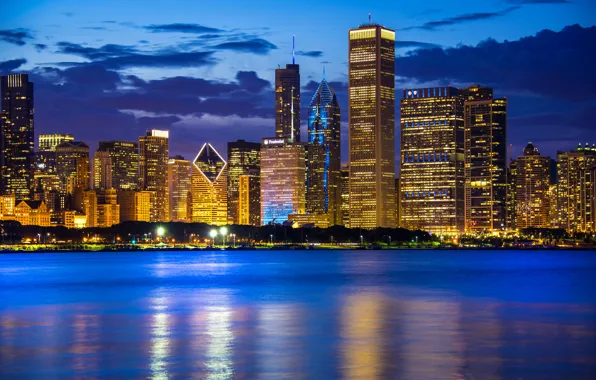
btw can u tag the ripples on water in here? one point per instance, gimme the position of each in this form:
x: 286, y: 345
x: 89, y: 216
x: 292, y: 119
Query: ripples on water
x: 316, y: 315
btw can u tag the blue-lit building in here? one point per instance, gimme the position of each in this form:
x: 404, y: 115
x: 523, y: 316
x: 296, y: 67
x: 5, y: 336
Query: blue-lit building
x: 323, y: 189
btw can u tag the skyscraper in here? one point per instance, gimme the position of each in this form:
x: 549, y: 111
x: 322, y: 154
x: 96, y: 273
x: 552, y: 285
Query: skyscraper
x: 209, y: 195
x: 124, y: 156
x: 283, y: 172
x: 432, y: 160
x: 532, y: 182
x: 575, y: 189
x: 287, y: 101
x: 243, y: 158
x: 45, y: 157
x: 372, y: 126
x: 324, y: 130
x: 345, y: 196
x: 102, y: 171
x: 72, y: 165
x: 179, y: 184
x: 153, y: 169
x: 17, y: 141
x: 249, y: 199
x: 485, y: 152
x: 315, y: 171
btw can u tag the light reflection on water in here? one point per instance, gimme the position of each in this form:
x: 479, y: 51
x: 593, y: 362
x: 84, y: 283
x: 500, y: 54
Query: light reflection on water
x: 275, y: 315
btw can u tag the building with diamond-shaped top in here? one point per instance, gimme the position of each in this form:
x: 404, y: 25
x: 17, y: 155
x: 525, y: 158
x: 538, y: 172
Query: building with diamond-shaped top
x: 208, y: 196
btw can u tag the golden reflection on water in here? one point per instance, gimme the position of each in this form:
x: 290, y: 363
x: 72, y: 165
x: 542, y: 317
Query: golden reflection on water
x: 361, y: 336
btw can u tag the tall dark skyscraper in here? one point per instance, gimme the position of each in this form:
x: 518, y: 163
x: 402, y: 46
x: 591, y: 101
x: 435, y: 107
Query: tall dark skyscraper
x: 485, y: 150
x: 17, y: 156
x: 287, y: 101
x: 324, y: 130
x: 153, y: 171
x: 372, y: 126
x: 432, y: 160
x: 243, y: 158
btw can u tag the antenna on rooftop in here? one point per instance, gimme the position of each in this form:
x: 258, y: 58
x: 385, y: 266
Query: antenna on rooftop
x: 369, y: 18
x: 293, y: 55
x: 323, y: 72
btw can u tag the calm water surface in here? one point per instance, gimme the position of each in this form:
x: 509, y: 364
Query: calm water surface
x: 299, y: 315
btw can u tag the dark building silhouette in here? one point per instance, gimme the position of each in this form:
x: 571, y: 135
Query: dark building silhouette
x: 287, y: 102
x: 17, y: 156
x: 485, y: 151
x: 125, y: 163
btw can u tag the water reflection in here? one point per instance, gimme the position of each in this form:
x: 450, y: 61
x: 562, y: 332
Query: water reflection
x: 357, y: 316
x: 219, y: 349
x: 160, y: 337
x: 361, y: 336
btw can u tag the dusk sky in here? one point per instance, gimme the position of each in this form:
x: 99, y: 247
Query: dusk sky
x: 111, y: 69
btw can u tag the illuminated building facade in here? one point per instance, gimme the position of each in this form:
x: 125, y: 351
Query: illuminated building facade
x: 249, y: 199
x: 324, y: 130
x: 511, y: 195
x: 243, y: 158
x: 179, y: 171
x: 45, y: 158
x: 33, y: 213
x: 283, y: 172
x: 17, y: 141
x: 532, y: 182
x: 124, y: 156
x: 134, y: 205
x: 153, y: 170
x: 309, y: 220
x: 102, y: 170
x: 72, y: 165
x: 108, y: 209
x: 209, y: 194
x: 575, y: 187
x: 432, y: 160
x: 372, y: 126
x: 485, y: 152
x: 287, y: 102
x: 397, y: 203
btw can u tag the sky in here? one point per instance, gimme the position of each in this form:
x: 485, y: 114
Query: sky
x: 204, y: 69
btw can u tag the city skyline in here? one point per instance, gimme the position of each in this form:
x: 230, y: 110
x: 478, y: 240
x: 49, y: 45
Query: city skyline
x: 129, y: 86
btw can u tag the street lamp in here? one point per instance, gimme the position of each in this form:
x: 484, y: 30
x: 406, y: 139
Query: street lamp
x: 234, y: 237
x: 271, y: 237
x: 213, y: 234
x: 223, y: 232
x: 361, y: 239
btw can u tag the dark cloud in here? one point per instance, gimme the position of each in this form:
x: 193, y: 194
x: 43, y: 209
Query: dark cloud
x: 40, y: 47
x: 311, y: 53
x: 181, y: 28
x: 255, y: 45
x: 415, y: 45
x: 10, y: 65
x: 249, y: 81
x: 159, y: 122
x: 94, y: 27
x: 550, y: 64
x: 16, y: 36
x: 464, y: 18
x: 113, y: 56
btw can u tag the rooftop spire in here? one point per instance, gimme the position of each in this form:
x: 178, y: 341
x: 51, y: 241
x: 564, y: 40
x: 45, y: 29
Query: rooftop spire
x: 369, y: 18
x: 293, y: 55
x: 323, y: 72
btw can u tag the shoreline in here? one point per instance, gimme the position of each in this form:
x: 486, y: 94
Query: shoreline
x: 116, y: 249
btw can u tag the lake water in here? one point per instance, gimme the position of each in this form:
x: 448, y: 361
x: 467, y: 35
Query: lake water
x: 299, y: 315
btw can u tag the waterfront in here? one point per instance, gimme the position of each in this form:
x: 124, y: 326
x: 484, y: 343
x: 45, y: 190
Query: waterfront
x: 299, y: 314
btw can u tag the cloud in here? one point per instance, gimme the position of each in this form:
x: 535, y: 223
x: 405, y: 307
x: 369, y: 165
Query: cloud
x: 94, y: 27
x: 40, y: 47
x: 181, y: 28
x: 311, y: 53
x: 113, y: 56
x: 163, y: 122
x: 464, y: 18
x: 255, y: 45
x: 16, y: 36
x: 415, y: 45
x: 548, y: 64
x: 10, y: 65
